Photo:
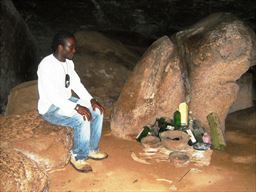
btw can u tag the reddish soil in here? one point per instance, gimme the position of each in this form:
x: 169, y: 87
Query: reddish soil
x: 230, y: 170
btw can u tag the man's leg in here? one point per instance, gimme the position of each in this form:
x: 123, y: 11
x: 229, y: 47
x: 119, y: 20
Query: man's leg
x: 96, y: 129
x: 81, y: 130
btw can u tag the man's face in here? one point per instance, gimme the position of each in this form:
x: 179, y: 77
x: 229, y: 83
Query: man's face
x: 69, y: 48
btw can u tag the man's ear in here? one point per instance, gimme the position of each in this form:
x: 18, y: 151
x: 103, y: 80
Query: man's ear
x: 60, y: 47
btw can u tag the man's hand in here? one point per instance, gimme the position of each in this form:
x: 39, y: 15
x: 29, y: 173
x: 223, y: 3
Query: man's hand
x: 84, y: 111
x: 95, y: 104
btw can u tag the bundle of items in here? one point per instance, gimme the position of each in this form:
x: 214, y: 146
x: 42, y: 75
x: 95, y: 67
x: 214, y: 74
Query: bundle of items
x: 180, y: 139
x: 182, y: 127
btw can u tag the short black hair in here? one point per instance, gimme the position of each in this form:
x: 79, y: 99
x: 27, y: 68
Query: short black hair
x: 59, y: 39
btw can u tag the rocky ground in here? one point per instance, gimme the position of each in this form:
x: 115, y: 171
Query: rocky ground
x: 230, y: 170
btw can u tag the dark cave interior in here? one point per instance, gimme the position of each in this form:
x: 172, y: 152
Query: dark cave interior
x: 151, y: 19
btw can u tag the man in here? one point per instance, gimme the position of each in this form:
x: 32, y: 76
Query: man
x: 56, y: 81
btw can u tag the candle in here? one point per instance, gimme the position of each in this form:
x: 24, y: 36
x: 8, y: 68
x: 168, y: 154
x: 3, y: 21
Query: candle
x: 183, y: 109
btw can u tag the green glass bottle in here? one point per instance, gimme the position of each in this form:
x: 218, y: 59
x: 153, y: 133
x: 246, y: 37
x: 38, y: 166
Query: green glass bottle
x: 144, y: 132
x: 162, y: 124
x: 176, y: 119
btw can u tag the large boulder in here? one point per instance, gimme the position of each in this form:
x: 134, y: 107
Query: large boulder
x: 17, y: 51
x: 218, y: 50
x: 29, y: 148
x: 29, y: 134
x: 93, y: 42
x: 154, y: 89
x: 19, y: 173
x: 22, y: 98
x: 103, y: 65
x: 212, y: 56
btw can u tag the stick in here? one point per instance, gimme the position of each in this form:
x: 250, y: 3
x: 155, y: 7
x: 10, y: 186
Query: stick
x: 217, y: 136
x: 135, y: 158
x: 184, y: 175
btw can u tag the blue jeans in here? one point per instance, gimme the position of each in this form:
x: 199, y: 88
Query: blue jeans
x: 86, y: 133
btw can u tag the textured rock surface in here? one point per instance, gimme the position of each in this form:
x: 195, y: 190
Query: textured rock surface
x: 17, y: 51
x: 22, y: 98
x: 19, y: 173
x: 94, y: 42
x: 175, y: 140
x: 39, y: 141
x: 219, y: 49
x: 154, y: 89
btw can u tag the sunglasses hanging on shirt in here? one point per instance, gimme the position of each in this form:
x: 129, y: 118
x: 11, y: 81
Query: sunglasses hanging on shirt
x: 67, y: 80
x: 67, y: 77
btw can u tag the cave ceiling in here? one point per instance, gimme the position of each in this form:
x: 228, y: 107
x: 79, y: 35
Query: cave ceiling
x: 148, y: 18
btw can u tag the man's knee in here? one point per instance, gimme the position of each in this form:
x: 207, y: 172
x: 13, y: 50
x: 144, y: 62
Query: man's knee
x: 78, y: 120
x: 96, y: 113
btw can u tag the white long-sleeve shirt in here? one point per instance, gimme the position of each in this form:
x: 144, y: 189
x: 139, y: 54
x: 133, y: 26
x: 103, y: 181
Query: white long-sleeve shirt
x: 51, y: 86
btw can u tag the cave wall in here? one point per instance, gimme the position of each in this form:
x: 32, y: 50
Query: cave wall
x: 17, y: 51
x: 130, y: 19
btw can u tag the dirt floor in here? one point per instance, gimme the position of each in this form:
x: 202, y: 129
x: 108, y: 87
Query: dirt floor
x: 230, y: 170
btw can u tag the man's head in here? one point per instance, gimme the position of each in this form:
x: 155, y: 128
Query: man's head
x: 64, y: 45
